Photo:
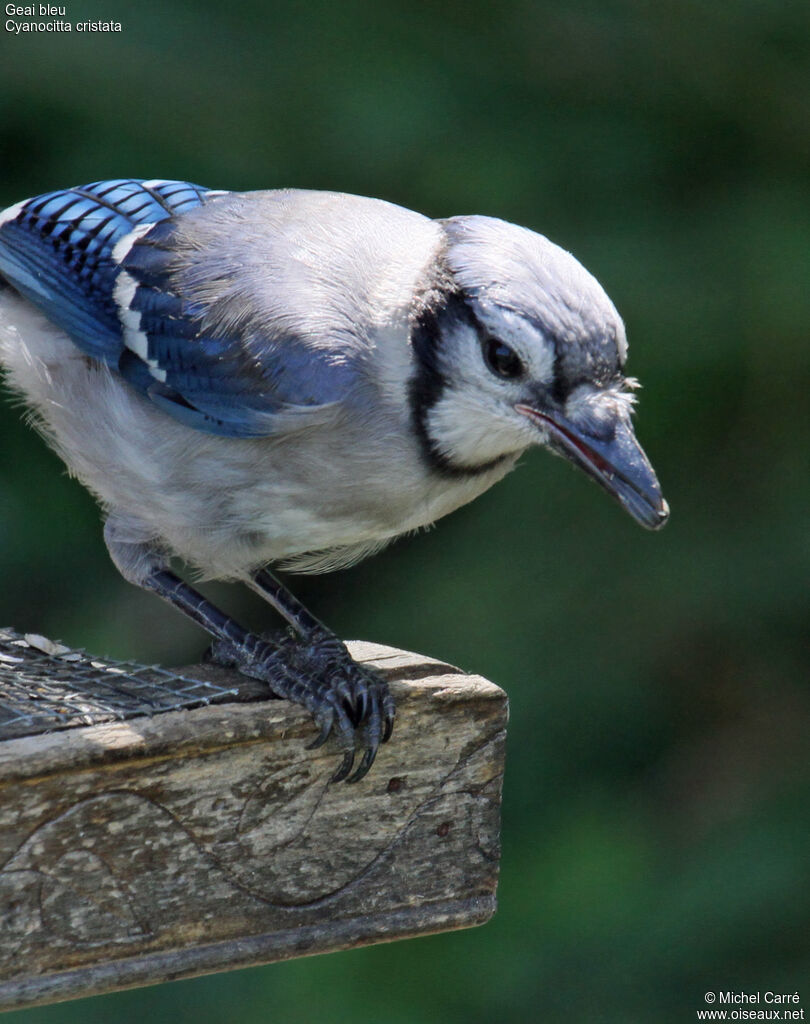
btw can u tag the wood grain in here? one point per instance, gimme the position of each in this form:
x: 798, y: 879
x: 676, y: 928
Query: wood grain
x: 200, y: 840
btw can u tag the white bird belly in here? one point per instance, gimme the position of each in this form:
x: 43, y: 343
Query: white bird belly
x: 224, y: 505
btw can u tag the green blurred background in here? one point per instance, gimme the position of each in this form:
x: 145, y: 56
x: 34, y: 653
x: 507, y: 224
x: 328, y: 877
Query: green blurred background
x: 656, y: 824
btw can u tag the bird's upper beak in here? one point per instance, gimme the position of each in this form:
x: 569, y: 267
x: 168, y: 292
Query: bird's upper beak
x: 618, y: 463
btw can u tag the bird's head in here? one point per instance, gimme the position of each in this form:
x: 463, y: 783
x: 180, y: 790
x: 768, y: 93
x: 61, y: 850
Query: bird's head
x: 517, y: 345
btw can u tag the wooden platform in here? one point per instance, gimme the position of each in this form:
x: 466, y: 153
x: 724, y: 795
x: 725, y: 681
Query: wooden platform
x: 206, y: 838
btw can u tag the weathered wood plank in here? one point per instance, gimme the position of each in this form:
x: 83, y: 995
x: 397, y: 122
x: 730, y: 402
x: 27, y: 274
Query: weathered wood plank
x: 199, y: 840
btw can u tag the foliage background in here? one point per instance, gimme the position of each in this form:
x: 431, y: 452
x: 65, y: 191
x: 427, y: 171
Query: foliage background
x: 656, y: 831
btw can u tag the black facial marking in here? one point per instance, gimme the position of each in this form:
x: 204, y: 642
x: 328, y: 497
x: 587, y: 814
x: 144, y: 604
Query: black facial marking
x: 592, y: 359
x: 559, y: 389
x: 447, y: 308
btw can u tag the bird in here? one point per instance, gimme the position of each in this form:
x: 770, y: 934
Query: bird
x: 289, y: 379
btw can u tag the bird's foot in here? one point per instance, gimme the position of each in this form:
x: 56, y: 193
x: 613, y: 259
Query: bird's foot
x: 318, y: 672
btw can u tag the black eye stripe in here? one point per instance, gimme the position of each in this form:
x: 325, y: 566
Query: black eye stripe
x: 502, y: 360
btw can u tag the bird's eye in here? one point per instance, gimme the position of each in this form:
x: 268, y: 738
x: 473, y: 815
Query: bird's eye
x: 502, y: 360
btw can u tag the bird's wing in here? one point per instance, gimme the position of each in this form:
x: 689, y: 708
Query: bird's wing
x: 103, y: 263
x: 56, y: 249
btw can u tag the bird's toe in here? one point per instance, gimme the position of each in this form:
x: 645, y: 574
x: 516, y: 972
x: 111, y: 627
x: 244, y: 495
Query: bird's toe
x: 348, y: 702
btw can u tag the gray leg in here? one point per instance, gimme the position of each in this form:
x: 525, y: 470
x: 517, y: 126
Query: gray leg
x: 316, y: 671
x: 363, y: 695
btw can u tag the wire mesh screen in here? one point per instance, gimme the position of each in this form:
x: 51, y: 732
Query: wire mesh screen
x: 46, y: 686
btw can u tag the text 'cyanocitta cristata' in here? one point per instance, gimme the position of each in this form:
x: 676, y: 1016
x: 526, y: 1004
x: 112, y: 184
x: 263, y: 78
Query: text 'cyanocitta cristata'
x: 295, y: 378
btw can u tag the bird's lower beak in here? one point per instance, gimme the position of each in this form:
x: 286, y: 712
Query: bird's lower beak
x: 618, y: 464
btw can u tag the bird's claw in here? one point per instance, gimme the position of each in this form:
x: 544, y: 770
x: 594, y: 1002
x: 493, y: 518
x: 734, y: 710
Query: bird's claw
x: 346, y: 699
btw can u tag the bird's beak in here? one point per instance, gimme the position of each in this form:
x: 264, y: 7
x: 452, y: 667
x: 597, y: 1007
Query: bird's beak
x: 618, y: 464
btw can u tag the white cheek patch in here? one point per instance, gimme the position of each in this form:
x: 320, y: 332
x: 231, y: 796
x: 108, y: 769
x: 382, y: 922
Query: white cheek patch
x: 471, y: 430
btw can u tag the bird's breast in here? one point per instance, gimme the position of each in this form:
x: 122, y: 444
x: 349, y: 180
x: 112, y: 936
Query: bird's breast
x: 225, y: 504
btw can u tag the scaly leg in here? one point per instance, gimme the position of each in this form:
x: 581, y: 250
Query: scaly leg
x: 316, y: 671
x: 365, y: 695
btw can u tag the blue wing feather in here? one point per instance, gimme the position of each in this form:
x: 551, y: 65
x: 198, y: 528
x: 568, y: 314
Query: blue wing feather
x: 128, y: 309
x: 216, y: 380
x: 57, y: 251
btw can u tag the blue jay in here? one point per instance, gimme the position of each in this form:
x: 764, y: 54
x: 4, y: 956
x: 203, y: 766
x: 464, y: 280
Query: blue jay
x: 294, y: 378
